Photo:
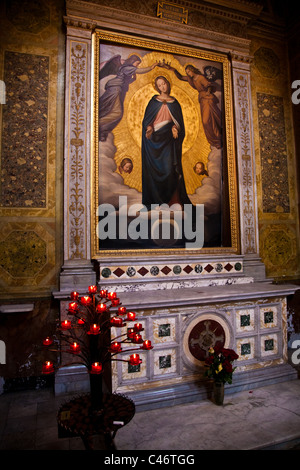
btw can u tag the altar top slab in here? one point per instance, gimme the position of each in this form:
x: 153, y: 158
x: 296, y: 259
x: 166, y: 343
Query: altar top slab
x: 204, y: 295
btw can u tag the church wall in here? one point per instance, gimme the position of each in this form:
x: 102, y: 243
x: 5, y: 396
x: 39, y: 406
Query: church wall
x: 32, y: 65
x: 32, y: 68
x: 275, y: 158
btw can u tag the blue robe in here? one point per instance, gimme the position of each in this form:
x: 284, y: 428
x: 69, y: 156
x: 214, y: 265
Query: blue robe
x: 162, y: 174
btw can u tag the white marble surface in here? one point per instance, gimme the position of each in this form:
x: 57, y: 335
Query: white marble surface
x: 205, y: 294
x: 247, y: 420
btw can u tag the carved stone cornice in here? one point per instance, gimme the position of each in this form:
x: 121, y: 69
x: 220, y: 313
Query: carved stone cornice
x: 244, y: 58
x: 240, y: 11
x: 79, y: 23
x: 96, y: 14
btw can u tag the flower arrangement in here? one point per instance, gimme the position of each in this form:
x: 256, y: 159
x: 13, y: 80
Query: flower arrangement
x: 219, y: 364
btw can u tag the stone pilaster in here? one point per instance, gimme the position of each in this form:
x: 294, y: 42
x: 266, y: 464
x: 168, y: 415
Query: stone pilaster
x: 77, y: 270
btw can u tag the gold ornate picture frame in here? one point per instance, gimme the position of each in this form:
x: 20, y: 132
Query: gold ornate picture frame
x: 127, y: 75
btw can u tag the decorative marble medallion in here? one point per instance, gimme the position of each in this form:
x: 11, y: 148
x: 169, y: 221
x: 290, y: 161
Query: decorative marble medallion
x: 206, y: 334
x: 267, y: 62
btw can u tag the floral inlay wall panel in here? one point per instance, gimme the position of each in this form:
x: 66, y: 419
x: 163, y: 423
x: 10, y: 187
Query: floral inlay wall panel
x: 24, y: 130
x: 32, y: 52
x: 275, y: 159
x: 273, y: 153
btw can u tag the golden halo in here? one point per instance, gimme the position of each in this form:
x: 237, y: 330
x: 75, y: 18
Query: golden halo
x: 165, y: 75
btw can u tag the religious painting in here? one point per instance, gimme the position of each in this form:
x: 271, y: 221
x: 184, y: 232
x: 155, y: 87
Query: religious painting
x: 163, y: 162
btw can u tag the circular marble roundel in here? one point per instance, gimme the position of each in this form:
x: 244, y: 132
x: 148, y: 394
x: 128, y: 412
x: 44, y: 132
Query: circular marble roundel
x: 204, y: 335
x: 204, y: 331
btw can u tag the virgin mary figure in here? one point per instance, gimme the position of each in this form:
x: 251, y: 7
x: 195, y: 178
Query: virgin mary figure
x: 162, y: 135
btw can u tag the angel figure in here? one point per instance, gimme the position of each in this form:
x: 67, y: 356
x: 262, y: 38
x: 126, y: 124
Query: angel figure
x: 210, y: 112
x: 111, y: 103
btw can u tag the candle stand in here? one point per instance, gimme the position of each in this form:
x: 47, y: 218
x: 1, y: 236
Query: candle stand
x: 86, y: 335
x: 74, y: 419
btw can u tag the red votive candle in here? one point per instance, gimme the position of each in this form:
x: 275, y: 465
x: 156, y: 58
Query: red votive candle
x: 112, y: 295
x: 137, y: 338
x: 138, y: 327
x: 116, y: 347
x: 101, y: 308
x: 74, y: 295
x: 121, y: 310
x: 80, y: 321
x: 130, y: 316
x: 130, y: 333
x: 86, y: 300
x: 47, y: 367
x: 94, y: 329
x: 147, y: 344
x: 92, y: 289
x: 73, y: 307
x: 47, y: 341
x: 134, y: 359
x: 116, y: 321
x: 115, y: 302
x: 96, y: 368
x: 103, y: 293
x: 66, y: 325
x: 75, y: 347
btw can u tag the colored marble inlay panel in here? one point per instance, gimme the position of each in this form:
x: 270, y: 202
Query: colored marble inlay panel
x: 269, y: 345
x: 268, y: 317
x: 164, y: 361
x: 164, y: 330
x: 130, y: 372
x: 245, y: 320
x: 164, y: 271
x: 24, y: 131
x: 273, y: 154
x: 245, y: 348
